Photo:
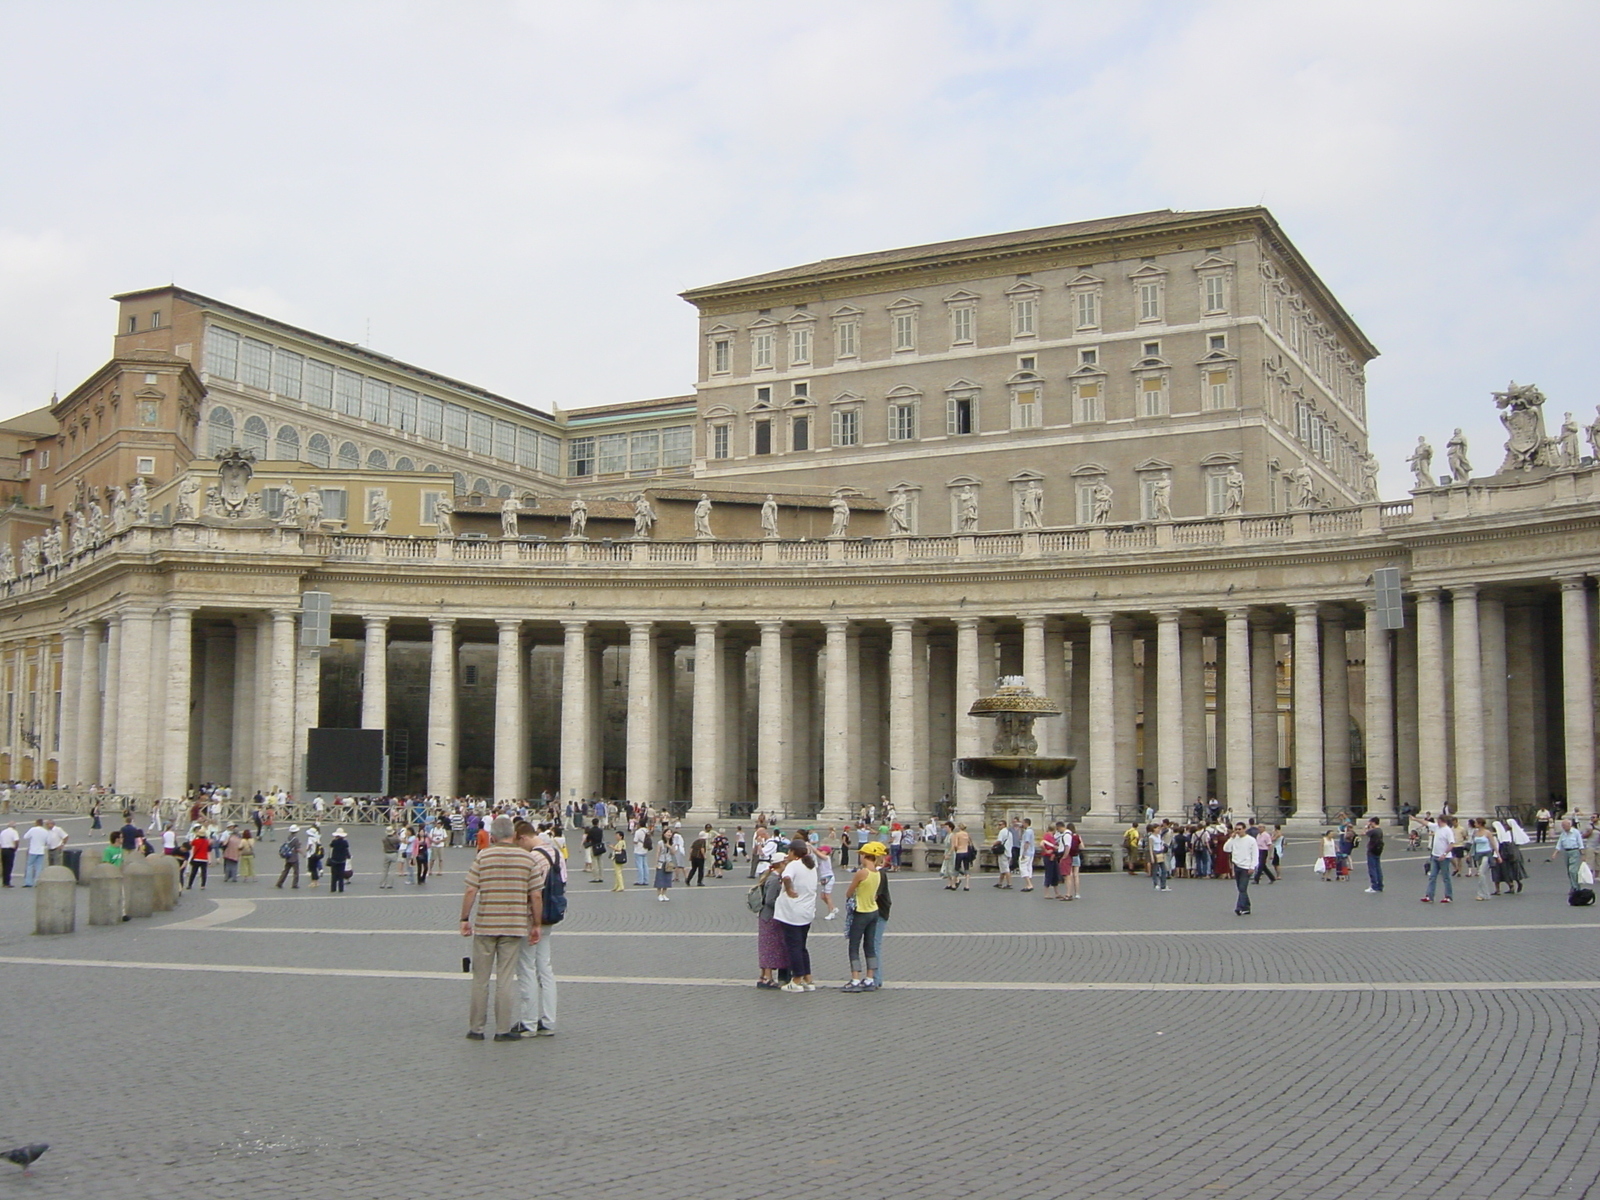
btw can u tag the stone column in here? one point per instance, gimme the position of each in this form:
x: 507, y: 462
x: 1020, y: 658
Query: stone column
x: 442, y: 741
x: 88, y: 757
x: 1196, y: 756
x: 641, y: 770
x: 1078, y: 739
x: 774, y: 791
x: 247, y: 776
x: 1240, y: 732
x: 1307, y: 716
x: 970, y: 793
x: 1496, y: 750
x: 180, y: 680
x: 1577, y: 693
x: 866, y: 710
x: 1523, y: 702
x: 215, y: 761
x: 281, y: 699
x: 802, y: 762
x: 838, y: 801
x: 68, y: 774
x: 510, y: 773
x: 375, y: 674
x: 941, y: 717
x: 1433, y: 771
x: 1125, y: 713
x: 1379, y: 732
x: 908, y: 725
x: 111, y: 703
x: 1335, y: 715
x: 1264, y: 707
x: 735, y: 784
x: 1053, y: 738
x: 706, y: 741
x: 1407, y: 775
x: 1171, y: 787
x: 664, y: 688
x: 1468, y: 681
x: 1102, y: 722
x: 133, y: 701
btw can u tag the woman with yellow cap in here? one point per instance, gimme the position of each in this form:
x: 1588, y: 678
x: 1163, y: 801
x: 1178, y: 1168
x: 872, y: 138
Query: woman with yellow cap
x: 865, y: 918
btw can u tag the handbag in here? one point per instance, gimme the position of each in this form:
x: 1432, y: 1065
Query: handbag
x: 620, y: 857
x: 1585, y: 875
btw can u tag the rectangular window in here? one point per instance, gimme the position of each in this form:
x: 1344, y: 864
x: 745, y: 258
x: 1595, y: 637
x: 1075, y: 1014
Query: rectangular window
x: 377, y: 401
x: 1216, y: 293
x: 255, y: 364
x: 1147, y: 496
x: 155, y: 319
x: 763, y: 437
x: 335, y: 503
x: 845, y: 339
x: 761, y: 351
x: 644, y: 451
x: 455, y: 425
x: 549, y: 454
x: 1025, y: 409
x: 1090, y: 403
x: 287, y: 368
x: 319, y: 383
x: 1088, y: 358
x: 347, y: 393
x: 1217, y: 390
x: 580, y: 456
x: 719, y: 441
x: 403, y: 409
x: 527, y: 449
x: 272, y: 501
x: 958, y: 417
x: 613, y: 453
x: 222, y: 353
x: 505, y: 441
x: 1216, y: 493
x: 145, y: 466
x: 1149, y: 302
x: 429, y: 501
x: 1217, y: 342
x: 1152, y: 350
x: 846, y: 427
x: 1088, y: 306
x: 1153, y: 397
x: 764, y: 394
x: 481, y: 440
x: 1024, y: 311
x: 133, y: 324
x: 800, y: 433
x: 961, y: 324
x: 1085, y: 497
x: 1028, y: 362
x: 902, y: 422
x: 800, y: 344
x: 905, y: 331
x: 721, y: 356
x: 430, y: 418
x: 801, y: 389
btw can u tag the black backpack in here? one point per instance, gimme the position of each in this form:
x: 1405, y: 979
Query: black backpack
x: 555, y: 889
x: 1580, y: 897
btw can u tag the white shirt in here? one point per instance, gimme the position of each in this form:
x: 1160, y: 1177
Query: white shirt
x: 801, y: 908
x: 1441, y: 842
x: 9, y: 838
x: 1244, y: 851
x: 38, y: 839
x: 58, y: 837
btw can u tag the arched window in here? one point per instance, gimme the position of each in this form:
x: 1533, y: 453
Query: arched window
x: 432, y: 468
x: 349, y: 456
x: 317, y: 452
x: 503, y: 492
x: 461, y: 483
x: 255, y: 436
x: 288, y: 447
x: 404, y: 464
x: 221, y: 422
x: 378, y: 460
x: 481, y: 486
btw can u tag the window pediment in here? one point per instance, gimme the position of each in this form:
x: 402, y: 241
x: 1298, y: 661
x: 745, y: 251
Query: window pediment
x: 847, y: 398
x: 1213, y: 263
x: 1026, y: 477
x: 963, y: 385
x: 718, y: 410
x: 847, y: 310
x: 1024, y: 287
x: 962, y: 297
x: 1090, y: 468
x: 1154, y: 464
x: 801, y: 318
x: 1024, y: 377
x: 1220, y: 459
x: 1085, y: 279
x: 904, y: 392
x: 905, y: 303
x: 963, y: 481
x: 720, y: 330
x: 1150, y: 271
x: 763, y: 323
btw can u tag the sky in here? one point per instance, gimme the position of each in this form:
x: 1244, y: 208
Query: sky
x: 513, y: 192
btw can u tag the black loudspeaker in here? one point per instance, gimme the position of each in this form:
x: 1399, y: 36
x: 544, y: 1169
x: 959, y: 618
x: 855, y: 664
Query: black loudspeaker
x: 345, y: 761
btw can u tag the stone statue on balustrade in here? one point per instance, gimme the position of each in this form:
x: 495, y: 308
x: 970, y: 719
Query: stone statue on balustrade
x: 702, y: 517
x: 1233, y: 492
x: 1593, y: 434
x: 188, y: 499
x: 139, y: 501
x: 578, y: 518
x: 1421, y: 463
x: 119, y: 508
x: 78, y: 539
x: 382, y: 510
x: 214, y: 502
x: 1303, y: 487
x: 444, y: 509
x: 50, y: 546
x: 311, y: 507
x: 841, y: 516
x: 966, y: 510
x: 769, y: 517
x: 1032, y: 506
x: 290, y: 500
x: 1161, y: 498
x: 509, y: 508
x: 1369, y: 476
x: 1456, y: 455
x: 8, y: 566
x: 644, y: 516
x: 1567, y: 439
x: 30, y: 556
x: 1522, y: 413
x: 1100, y: 497
x: 95, y: 515
x: 899, y: 513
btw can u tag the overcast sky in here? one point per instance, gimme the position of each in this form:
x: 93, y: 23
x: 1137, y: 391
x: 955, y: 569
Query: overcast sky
x: 513, y: 193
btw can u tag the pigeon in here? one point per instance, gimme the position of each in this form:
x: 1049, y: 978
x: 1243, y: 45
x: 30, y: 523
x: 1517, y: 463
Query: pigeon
x: 26, y: 1156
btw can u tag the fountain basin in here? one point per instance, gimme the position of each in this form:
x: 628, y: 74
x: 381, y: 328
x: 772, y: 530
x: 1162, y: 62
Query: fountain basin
x: 1000, y: 767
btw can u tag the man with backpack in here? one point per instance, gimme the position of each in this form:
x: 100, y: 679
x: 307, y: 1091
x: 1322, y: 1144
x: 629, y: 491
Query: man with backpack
x: 289, y: 850
x: 536, y: 978
x: 506, y: 884
x: 643, y: 843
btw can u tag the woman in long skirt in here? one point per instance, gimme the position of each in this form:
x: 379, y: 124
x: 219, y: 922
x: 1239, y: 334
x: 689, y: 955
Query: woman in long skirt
x: 771, y: 950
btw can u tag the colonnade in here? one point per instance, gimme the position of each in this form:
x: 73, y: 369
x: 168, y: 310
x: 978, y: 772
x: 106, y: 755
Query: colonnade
x: 825, y: 713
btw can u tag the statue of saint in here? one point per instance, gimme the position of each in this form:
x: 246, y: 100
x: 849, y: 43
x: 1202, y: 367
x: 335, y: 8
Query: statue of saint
x: 1456, y: 455
x: 769, y: 517
x: 311, y: 506
x: 1100, y: 497
x: 188, y: 498
x: 1421, y: 462
x: 899, y: 513
x: 1522, y: 414
x: 1233, y: 498
x: 1161, y: 498
x: 443, y: 509
x: 966, y: 510
x: 119, y: 509
x: 509, y: 508
x: 1593, y: 433
x: 1304, y: 485
x: 139, y: 499
x: 577, y: 517
x: 8, y: 566
x: 291, y: 503
x: 1369, y: 476
x: 841, y: 516
x: 1568, y: 439
x: 702, y: 517
x: 644, y: 517
x: 1032, y: 506
x: 381, y: 511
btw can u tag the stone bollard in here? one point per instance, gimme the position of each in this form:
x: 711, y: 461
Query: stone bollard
x: 55, y: 901
x: 919, y: 856
x: 168, y: 872
x: 105, y: 892
x: 139, y: 881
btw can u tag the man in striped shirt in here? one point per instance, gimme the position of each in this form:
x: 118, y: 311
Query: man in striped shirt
x: 507, y: 885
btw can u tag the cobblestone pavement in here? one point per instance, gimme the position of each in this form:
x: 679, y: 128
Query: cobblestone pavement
x: 1335, y: 1044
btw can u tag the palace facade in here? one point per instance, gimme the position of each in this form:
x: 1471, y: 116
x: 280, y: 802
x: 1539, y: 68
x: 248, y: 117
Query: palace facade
x: 1126, y: 459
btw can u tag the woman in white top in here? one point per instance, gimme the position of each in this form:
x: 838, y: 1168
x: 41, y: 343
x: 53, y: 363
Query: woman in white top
x: 794, y: 912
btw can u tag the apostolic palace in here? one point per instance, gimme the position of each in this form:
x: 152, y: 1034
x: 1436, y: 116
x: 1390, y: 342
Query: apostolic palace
x: 1123, y: 458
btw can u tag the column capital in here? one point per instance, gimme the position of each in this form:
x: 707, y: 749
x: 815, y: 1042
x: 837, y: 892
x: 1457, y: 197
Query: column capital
x: 839, y: 625
x: 1169, y: 616
x: 1238, y: 612
x: 1465, y: 590
x: 1428, y: 595
x: 441, y: 622
x: 181, y: 610
x: 1035, y: 622
x: 508, y: 624
x: 1308, y: 610
x: 375, y: 621
x: 776, y: 627
x: 709, y: 628
x: 1573, y: 583
x: 967, y: 622
x: 908, y: 624
x: 575, y: 625
x: 645, y: 627
x: 1099, y: 619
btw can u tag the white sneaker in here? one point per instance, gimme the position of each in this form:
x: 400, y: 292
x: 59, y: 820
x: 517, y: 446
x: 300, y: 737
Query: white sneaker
x: 831, y: 915
x: 791, y: 986
x: 1370, y: 891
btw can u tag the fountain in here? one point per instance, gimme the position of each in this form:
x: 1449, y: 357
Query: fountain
x: 1014, y: 765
